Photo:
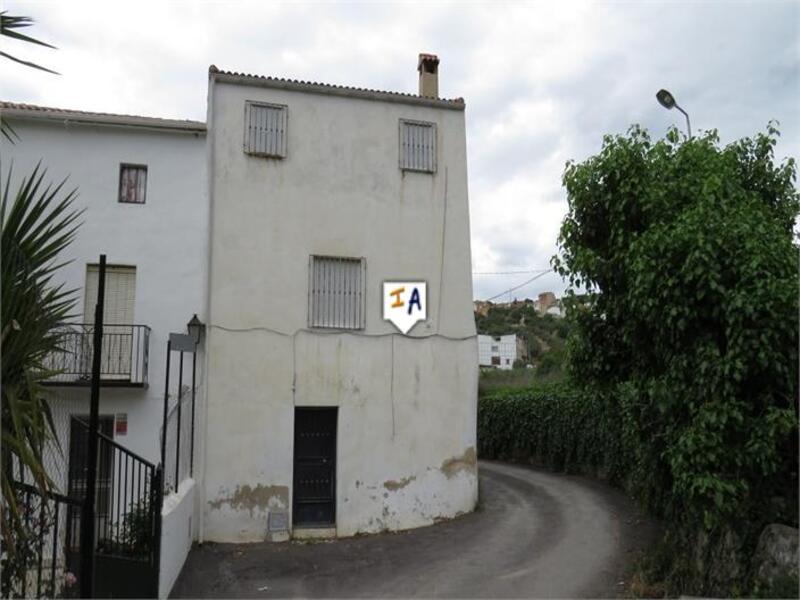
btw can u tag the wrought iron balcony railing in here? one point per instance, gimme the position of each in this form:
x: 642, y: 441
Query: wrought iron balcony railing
x: 123, y: 360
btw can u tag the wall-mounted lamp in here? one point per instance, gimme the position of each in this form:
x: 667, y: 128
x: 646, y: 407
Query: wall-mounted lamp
x: 196, y: 328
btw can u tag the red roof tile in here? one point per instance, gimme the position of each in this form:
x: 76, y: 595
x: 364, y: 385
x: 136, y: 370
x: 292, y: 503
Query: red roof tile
x: 68, y: 113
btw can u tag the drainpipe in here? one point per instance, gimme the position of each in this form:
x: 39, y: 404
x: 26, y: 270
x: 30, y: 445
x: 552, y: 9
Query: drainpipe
x: 201, y: 526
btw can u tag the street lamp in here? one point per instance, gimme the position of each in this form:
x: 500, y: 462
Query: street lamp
x: 195, y: 327
x: 667, y: 100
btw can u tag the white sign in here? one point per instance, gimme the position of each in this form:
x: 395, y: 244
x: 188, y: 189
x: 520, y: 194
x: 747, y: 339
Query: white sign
x: 405, y: 303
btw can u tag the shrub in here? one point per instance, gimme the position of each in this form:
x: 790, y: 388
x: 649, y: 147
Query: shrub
x: 555, y: 425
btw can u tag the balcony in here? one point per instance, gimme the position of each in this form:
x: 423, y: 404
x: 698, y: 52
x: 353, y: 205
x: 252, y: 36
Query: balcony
x: 123, y: 360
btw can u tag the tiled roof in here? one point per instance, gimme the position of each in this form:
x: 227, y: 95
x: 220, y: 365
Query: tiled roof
x: 48, y: 112
x: 341, y: 90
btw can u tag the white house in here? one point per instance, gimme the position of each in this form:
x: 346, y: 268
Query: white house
x: 277, y: 224
x: 497, y: 352
x: 322, y: 417
x: 141, y: 184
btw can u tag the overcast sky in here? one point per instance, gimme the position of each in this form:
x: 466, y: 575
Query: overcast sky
x: 543, y: 81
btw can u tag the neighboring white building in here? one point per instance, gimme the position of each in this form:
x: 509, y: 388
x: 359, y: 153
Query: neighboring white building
x: 322, y: 417
x: 141, y: 185
x: 498, y: 352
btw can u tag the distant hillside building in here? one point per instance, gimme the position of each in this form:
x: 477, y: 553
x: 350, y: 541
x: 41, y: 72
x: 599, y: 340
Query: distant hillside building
x: 498, y: 352
x: 544, y: 302
x: 481, y: 307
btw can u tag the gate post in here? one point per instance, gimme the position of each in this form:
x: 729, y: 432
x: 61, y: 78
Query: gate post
x: 88, y: 512
x: 156, y: 500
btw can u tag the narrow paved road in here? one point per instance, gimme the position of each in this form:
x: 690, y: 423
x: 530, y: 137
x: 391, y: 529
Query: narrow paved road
x: 536, y: 534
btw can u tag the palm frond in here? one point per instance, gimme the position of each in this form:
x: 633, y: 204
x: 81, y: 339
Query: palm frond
x: 9, y: 24
x: 38, y: 223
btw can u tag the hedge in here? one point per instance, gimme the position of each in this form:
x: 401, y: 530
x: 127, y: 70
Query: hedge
x: 557, y: 426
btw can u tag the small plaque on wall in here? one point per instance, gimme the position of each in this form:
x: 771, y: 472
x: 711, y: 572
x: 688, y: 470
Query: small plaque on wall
x: 278, y: 520
x: 121, y: 424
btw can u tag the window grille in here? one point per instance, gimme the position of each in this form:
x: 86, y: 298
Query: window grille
x: 132, y: 183
x: 417, y: 146
x: 265, y: 129
x: 336, y: 292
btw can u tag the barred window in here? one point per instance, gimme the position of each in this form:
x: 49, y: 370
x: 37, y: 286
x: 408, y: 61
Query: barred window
x: 132, y: 183
x: 336, y: 292
x: 417, y: 146
x: 265, y: 129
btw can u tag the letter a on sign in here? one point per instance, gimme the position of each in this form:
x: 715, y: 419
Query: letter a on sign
x: 405, y: 303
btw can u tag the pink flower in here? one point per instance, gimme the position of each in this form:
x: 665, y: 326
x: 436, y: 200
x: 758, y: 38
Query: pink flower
x: 70, y: 579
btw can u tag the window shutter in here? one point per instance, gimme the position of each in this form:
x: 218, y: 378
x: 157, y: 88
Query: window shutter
x: 119, y: 297
x: 417, y: 146
x: 336, y: 292
x: 265, y: 129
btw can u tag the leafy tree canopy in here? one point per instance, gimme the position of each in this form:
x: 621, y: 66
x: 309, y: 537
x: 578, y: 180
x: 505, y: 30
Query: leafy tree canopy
x: 687, y: 247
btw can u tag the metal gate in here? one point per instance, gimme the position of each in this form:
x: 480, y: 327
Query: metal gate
x: 314, y: 493
x: 51, y: 561
x: 127, y: 520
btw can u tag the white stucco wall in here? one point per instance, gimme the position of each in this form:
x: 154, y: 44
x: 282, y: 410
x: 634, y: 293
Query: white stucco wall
x: 177, y: 533
x: 407, y: 407
x: 166, y: 239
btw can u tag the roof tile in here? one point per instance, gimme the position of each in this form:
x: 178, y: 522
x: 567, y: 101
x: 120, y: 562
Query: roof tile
x: 214, y: 70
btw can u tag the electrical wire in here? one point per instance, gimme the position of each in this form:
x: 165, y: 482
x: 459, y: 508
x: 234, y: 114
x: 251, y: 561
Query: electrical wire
x: 339, y: 332
x: 531, y: 280
x: 512, y: 272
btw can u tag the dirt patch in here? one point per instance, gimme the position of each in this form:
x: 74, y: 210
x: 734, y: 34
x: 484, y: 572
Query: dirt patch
x: 252, y: 498
x: 393, y: 486
x: 466, y: 462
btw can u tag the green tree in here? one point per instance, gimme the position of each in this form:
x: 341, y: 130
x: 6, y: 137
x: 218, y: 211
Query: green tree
x: 687, y: 249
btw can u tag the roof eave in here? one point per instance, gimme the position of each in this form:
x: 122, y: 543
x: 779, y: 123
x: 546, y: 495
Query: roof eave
x: 331, y: 90
x: 67, y: 117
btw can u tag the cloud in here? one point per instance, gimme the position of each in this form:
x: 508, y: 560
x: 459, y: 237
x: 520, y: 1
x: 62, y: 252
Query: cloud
x: 543, y: 81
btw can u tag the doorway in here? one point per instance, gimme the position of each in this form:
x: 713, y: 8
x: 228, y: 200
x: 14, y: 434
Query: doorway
x: 77, y: 474
x: 314, y: 503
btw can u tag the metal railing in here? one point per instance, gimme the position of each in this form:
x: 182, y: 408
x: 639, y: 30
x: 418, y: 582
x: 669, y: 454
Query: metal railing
x: 124, y: 358
x: 42, y: 565
x: 179, y: 445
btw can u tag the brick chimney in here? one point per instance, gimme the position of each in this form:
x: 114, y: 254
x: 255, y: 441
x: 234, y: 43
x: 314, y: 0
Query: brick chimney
x: 428, y: 67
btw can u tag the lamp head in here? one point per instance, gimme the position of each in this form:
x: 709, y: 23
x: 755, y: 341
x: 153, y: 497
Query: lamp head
x: 195, y: 328
x: 665, y: 99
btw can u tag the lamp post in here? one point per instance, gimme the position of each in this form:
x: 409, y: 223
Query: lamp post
x: 195, y: 327
x: 667, y: 100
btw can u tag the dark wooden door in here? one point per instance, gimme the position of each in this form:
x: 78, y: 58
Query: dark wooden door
x: 78, y: 468
x: 314, y: 467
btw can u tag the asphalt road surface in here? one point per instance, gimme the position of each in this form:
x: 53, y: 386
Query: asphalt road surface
x: 536, y: 534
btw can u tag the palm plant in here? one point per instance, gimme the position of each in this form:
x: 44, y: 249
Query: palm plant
x: 38, y: 222
x: 9, y: 27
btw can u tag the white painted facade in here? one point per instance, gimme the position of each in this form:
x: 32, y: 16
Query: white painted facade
x: 405, y: 454
x: 498, y: 352
x: 165, y: 239
x: 230, y: 236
